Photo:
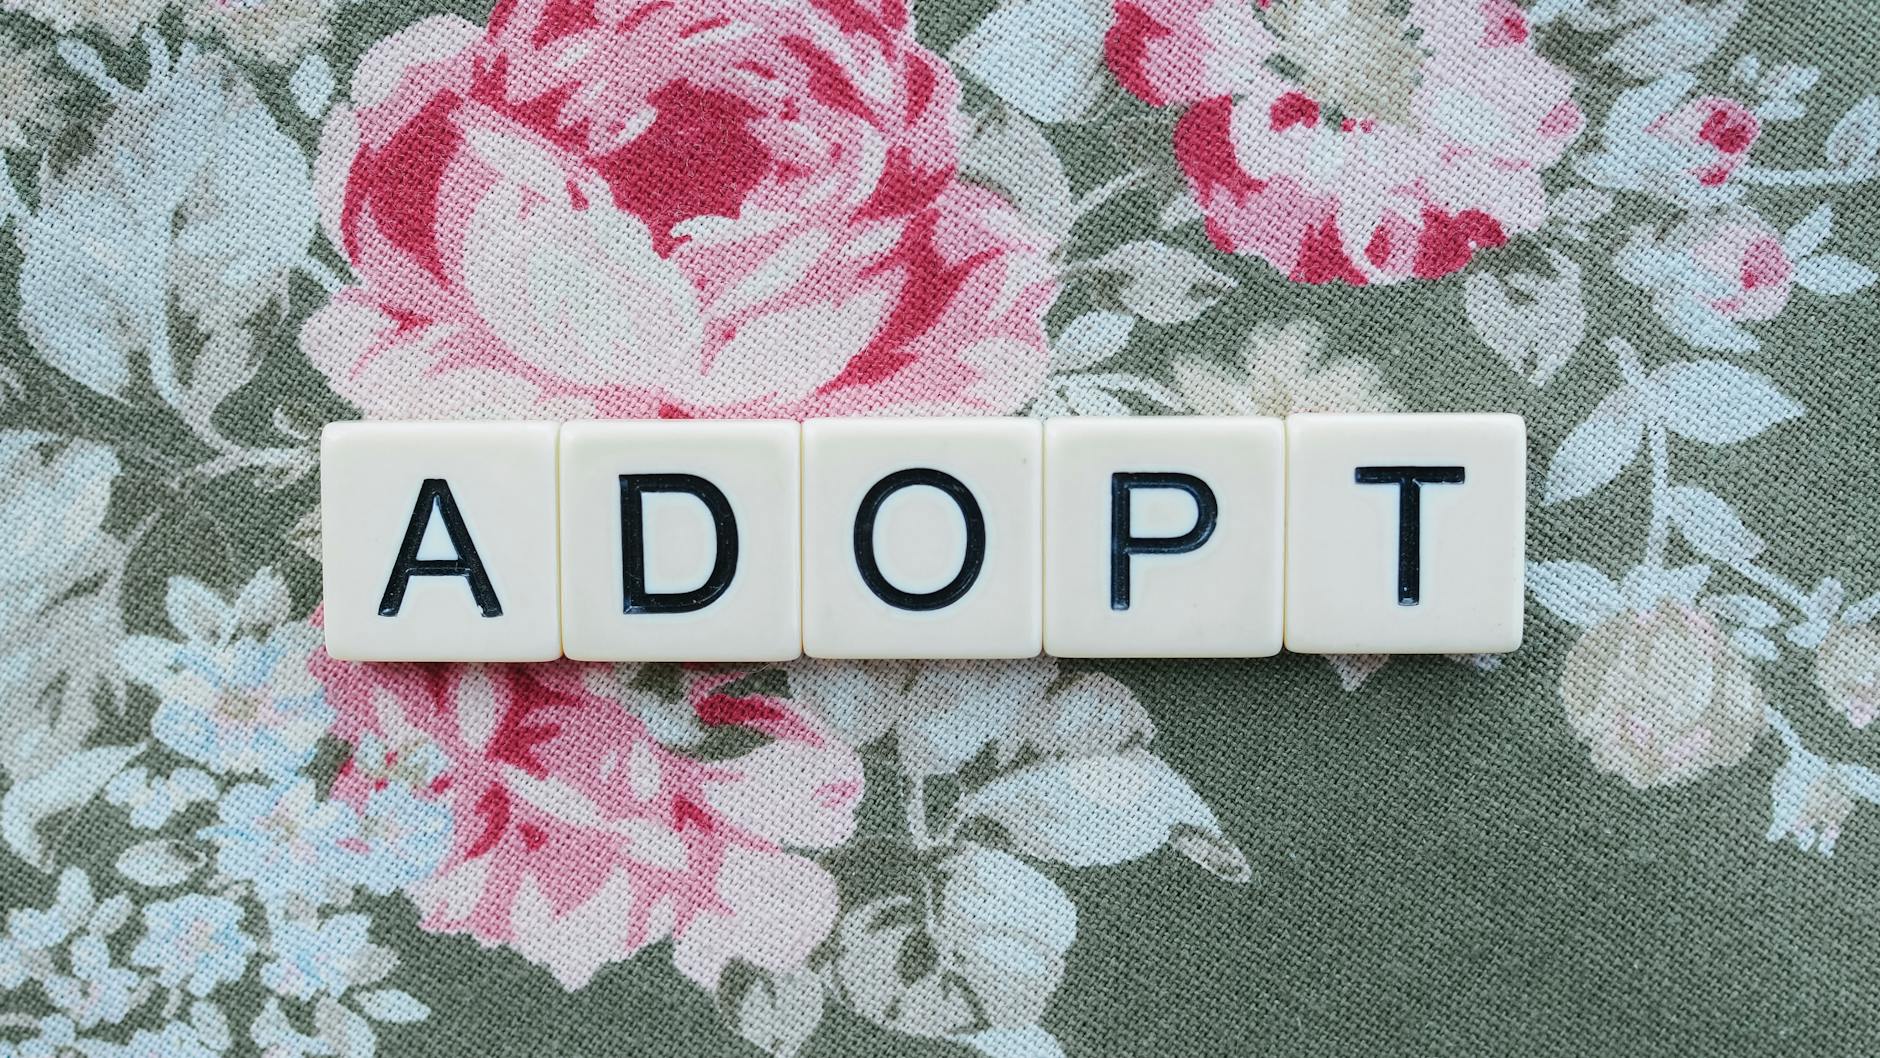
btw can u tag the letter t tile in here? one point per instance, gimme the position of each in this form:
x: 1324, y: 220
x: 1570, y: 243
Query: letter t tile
x: 1405, y: 533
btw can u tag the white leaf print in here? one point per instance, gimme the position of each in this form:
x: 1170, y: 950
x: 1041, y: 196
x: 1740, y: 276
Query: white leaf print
x: 1050, y: 404
x: 1863, y: 611
x: 778, y: 1012
x: 1097, y: 394
x: 85, y: 60
x: 198, y: 613
x: 1006, y: 928
x: 311, y: 85
x: 1095, y: 713
x: 110, y: 916
x: 1213, y: 853
x: 1790, y: 79
x: 1755, y: 644
x: 1818, y: 611
x: 1181, y: 208
x: 1580, y: 205
x: 1862, y: 781
x: 211, y: 1025
x: 1711, y: 526
x: 1091, y: 811
x: 1044, y: 57
x: 1597, y: 449
x: 394, y: 1005
x: 1780, y: 110
x: 1831, y: 273
x: 1087, y: 399
x: 1538, y: 333
x: 1008, y: 151
x: 1685, y: 311
x: 1028, y: 1042
x: 1091, y: 339
x: 192, y: 194
x: 1745, y: 610
x: 1166, y: 284
x: 1574, y: 592
x: 1645, y: 586
x: 1680, y: 37
x: 1855, y: 139
x: 90, y: 287
x: 1718, y: 403
x: 1809, y: 233
x: 1808, y: 634
x: 1124, y: 382
x: 955, y: 709
x: 995, y: 935
x: 158, y: 864
x: 347, y: 1033
x: 68, y: 784
x: 263, y: 600
x: 1354, y: 669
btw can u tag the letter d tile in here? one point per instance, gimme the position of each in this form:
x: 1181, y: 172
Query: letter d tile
x: 439, y: 541
x: 679, y: 540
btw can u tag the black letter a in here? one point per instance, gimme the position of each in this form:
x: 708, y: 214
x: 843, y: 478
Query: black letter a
x: 435, y: 493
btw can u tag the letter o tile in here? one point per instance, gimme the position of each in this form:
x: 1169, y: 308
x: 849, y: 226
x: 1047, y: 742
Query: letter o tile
x: 921, y: 538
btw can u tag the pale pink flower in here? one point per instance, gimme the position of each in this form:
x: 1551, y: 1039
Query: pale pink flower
x: 1719, y: 131
x: 1716, y: 268
x: 1746, y: 257
x: 1661, y: 696
x: 1847, y: 669
x: 579, y: 839
x: 692, y: 208
x: 1811, y: 798
x: 1687, y: 151
x: 1398, y: 146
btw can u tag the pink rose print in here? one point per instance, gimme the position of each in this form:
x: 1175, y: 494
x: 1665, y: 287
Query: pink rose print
x: 1393, y: 147
x: 1719, y: 131
x: 678, y: 208
x: 578, y: 838
x: 1746, y: 257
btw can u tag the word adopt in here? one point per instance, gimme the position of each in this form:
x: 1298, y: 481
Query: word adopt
x: 759, y: 541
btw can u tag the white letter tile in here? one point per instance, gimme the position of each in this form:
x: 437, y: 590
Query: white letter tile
x: 948, y: 512
x: 1405, y: 533
x: 439, y: 541
x: 707, y: 512
x: 1164, y: 537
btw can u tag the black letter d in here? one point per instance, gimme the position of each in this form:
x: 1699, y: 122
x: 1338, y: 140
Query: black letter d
x: 636, y: 599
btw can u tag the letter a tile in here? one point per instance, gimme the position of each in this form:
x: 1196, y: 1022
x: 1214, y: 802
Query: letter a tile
x: 439, y: 541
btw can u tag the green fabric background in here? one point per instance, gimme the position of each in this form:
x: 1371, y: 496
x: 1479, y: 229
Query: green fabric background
x: 1437, y: 868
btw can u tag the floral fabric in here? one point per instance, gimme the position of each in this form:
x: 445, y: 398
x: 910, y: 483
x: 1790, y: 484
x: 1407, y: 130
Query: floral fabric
x: 1646, y: 225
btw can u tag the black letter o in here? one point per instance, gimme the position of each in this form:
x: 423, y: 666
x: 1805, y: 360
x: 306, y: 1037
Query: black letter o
x: 974, y: 558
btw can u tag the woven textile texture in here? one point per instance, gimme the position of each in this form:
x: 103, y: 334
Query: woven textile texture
x: 1649, y: 226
